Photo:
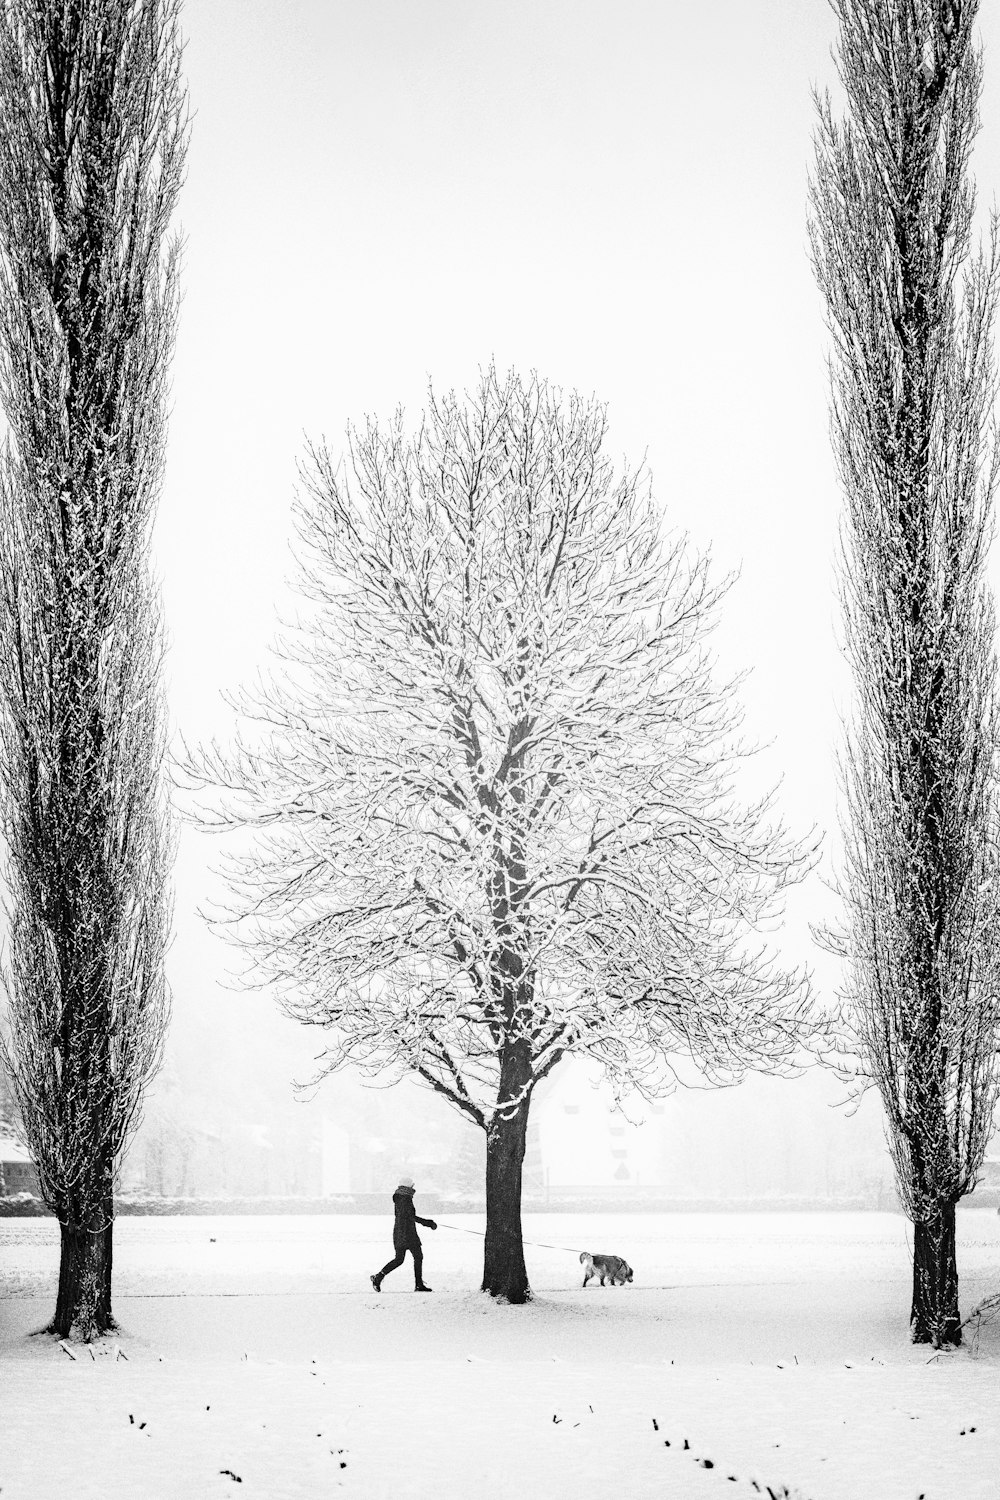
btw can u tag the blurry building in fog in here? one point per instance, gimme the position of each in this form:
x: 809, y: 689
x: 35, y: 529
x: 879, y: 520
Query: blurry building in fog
x: 18, y: 1173
x: 221, y: 1132
x: 372, y: 1135
x: 203, y: 1141
x: 769, y: 1140
x: 6, y: 1100
x: 584, y: 1142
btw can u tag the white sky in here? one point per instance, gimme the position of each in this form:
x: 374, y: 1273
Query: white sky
x: 612, y: 193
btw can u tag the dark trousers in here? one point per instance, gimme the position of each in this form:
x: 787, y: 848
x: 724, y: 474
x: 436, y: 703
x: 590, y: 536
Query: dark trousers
x: 418, y: 1263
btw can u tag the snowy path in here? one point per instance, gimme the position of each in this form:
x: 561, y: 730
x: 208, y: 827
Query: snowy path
x: 320, y: 1386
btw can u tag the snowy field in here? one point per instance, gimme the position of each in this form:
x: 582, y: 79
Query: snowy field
x: 751, y: 1350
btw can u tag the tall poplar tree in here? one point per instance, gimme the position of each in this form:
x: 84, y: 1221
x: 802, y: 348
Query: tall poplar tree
x: 911, y: 312
x: 92, y: 142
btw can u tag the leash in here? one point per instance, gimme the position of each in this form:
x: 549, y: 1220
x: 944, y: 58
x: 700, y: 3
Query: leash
x: 481, y: 1233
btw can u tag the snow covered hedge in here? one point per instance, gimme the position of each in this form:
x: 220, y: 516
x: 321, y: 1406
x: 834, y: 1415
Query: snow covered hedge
x: 135, y: 1203
x: 24, y: 1205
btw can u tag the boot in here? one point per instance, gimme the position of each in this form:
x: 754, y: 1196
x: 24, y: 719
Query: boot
x: 422, y: 1287
x: 377, y: 1283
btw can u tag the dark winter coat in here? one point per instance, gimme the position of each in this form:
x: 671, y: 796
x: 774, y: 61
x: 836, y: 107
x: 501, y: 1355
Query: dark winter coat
x: 404, y: 1231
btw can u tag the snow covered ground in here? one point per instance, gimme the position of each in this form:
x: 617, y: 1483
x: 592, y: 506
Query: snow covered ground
x: 751, y: 1350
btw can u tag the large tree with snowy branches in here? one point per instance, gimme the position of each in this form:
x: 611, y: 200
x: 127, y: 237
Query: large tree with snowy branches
x: 911, y: 312
x: 92, y: 141
x: 491, y: 791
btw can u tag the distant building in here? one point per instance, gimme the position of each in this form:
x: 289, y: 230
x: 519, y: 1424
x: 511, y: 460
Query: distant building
x: 584, y: 1142
x: 989, y: 1174
x: 18, y: 1173
x: 6, y: 1101
x: 769, y: 1141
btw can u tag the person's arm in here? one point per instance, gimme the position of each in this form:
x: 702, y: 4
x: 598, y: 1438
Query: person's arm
x: 427, y: 1223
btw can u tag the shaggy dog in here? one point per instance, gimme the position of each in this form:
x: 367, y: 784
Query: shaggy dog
x: 608, y: 1267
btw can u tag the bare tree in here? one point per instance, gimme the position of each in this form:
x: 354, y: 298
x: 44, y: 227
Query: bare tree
x: 911, y: 312
x: 92, y: 139
x: 491, y: 803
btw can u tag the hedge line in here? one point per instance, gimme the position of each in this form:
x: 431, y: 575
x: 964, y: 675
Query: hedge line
x: 26, y: 1205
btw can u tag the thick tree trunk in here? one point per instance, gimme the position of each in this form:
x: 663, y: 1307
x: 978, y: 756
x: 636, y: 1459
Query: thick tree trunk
x: 83, y: 1302
x: 934, y: 1317
x: 504, y: 1273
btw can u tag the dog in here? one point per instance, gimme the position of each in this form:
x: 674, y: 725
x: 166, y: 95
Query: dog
x: 607, y: 1267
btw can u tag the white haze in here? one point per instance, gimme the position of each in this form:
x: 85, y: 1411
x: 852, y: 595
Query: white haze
x: 615, y: 196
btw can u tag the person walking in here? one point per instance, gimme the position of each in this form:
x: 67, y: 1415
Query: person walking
x: 405, y: 1237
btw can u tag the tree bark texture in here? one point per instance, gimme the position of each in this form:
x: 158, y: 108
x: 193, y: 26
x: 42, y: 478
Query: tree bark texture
x: 504, y: 1272
x: 83, y: 1301
x: 934, y: 1316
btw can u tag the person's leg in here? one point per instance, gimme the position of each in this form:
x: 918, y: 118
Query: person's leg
x: 390, y: 1265
x: 418, y: 1269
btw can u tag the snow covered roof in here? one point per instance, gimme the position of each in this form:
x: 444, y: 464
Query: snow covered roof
x: 11, y: 1150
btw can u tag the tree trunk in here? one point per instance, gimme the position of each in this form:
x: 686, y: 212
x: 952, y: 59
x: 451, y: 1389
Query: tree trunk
x: 934, y: 1315
x: 83, y: 1302
x: 504, y: 1273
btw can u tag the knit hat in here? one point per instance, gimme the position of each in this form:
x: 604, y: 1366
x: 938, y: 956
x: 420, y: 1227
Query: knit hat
x: 406, y: 1182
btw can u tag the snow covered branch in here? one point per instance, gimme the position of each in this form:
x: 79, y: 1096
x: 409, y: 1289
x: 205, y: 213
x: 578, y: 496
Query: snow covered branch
x: 490, y: 790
